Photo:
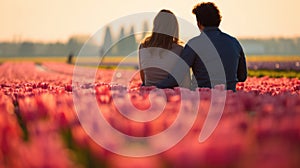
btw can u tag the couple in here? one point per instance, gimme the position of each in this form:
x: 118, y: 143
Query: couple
x: 214, y: 57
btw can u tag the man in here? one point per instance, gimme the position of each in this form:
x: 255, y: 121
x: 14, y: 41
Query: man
x: 215, y: 57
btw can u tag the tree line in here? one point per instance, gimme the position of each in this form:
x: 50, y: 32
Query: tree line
x: 128, y: 42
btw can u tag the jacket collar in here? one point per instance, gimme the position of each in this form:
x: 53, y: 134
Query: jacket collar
x: 207, y: 29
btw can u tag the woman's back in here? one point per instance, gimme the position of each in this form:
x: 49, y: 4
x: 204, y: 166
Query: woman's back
x: 156, y: 63
x: 159, y: 52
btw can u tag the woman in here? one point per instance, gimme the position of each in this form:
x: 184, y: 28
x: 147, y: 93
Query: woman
x: 159, y: 52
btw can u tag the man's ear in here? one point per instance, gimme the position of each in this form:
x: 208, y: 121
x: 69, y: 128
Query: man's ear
x: 200, y: 26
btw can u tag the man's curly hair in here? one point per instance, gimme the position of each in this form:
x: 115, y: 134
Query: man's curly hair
x: 208, y: 14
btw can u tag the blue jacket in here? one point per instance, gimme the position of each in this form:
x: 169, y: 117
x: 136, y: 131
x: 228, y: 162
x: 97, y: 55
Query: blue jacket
x: 215, y: 58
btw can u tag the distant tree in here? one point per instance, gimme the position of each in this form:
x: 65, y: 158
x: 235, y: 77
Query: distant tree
x: 26, y: 49
x: 73, y: 46
x: 145, y: 29
x: 106, y: 47
x: 121, y: 45
x: 122, y: 33
x: 131, y: 39
x: 125, y: 44
x: 10, y: 49
x: 298, y: 46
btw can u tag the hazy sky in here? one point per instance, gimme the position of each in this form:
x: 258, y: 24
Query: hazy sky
x: 52, y: 20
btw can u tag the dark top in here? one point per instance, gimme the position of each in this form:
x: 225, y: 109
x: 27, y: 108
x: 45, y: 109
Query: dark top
x: 215, y: 58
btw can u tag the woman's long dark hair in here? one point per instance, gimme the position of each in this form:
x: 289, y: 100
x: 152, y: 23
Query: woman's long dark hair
x: 165, y: 31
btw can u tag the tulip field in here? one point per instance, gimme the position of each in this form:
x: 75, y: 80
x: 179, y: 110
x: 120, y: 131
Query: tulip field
x: 39, y: 126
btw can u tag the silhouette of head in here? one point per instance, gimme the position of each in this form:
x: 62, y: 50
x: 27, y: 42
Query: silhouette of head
x: 165, y: 31
x: 207, y: 14
x: 166, y: 23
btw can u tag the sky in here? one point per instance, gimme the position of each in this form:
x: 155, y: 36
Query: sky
x: 57, y: 20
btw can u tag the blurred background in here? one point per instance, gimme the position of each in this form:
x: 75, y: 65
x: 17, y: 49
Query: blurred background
x: 55, y: 28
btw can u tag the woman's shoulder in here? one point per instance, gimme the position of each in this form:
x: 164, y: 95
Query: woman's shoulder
x: 176, y: 45
x: 141, y: 45
x: 177, y: 48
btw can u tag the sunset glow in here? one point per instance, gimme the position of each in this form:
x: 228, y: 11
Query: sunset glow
x: 45, y: 20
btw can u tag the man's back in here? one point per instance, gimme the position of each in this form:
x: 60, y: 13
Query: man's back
x: 215, y: 58
x: 228, y: 50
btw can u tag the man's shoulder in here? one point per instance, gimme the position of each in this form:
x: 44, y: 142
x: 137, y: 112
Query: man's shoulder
x: 195, y: 42
x: 233, y: 39
x: 224, y: 35
x: 196, y: 38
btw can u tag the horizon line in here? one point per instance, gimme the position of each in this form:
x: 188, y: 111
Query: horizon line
x: 62, y: 40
